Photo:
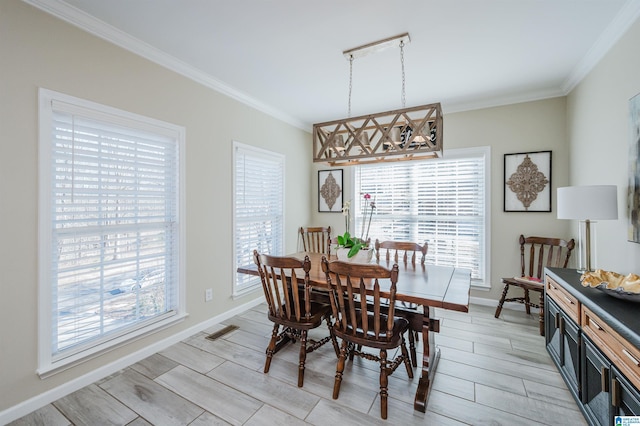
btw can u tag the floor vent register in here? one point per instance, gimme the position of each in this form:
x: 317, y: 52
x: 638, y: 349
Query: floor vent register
x: 220, y: 333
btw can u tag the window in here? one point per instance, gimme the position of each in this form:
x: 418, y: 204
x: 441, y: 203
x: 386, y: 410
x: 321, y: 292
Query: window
x: 111, y: 228
x: 442, y: 201
x: 258, y: 191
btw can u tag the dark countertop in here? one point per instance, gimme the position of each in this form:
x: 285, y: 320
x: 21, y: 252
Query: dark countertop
x: 623, y: 316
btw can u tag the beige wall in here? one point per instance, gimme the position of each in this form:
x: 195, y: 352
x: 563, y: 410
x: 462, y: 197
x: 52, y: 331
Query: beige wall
x: 524, y: 127
x: 37, y: 50
x: 598, y: 128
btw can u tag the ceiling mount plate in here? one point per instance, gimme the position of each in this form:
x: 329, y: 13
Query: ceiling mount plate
x: 376, y: 46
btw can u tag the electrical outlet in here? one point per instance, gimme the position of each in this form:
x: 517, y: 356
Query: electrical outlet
x: 208, y: 295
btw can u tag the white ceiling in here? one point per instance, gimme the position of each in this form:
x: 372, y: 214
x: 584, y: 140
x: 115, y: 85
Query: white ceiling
x: 284, y: 57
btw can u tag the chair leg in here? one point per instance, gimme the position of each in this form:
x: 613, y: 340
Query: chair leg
x: 271, y: 348
x: 501, y: 302
x: 527, y: 302
x: 334, y: 341
x: 407, y: 365
x: 303, y: 357
x: 541, y: 313
x: 340, y: 369
x: 384, y: 383
x: 412, y: 348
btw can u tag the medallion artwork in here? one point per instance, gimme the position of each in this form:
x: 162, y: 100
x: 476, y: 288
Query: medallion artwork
x: 527, y: 182
x: 330, y: 191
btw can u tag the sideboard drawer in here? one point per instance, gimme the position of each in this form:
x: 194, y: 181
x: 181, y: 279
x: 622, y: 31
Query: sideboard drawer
x: 618, y: 350
x: 567, y: 302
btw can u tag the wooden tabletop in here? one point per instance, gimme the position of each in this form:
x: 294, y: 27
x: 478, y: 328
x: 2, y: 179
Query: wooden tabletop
x: 426, y: 285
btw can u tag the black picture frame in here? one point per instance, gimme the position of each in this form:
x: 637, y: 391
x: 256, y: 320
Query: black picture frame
x: 527, y: 182
x: 330, y: 191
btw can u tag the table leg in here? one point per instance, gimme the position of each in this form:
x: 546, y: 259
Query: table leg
x: 430, y: 357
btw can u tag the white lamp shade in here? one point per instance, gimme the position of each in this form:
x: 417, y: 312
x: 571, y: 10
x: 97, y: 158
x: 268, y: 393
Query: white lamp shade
x: 593, y: 202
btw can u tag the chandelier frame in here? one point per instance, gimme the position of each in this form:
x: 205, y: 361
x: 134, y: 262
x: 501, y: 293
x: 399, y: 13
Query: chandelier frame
x: 398, y: 135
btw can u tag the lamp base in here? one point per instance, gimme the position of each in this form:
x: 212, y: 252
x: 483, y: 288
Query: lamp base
x: 587, y: 243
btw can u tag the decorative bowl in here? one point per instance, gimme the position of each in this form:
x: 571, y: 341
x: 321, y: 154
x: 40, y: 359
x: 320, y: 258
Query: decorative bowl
x: 619, y: 293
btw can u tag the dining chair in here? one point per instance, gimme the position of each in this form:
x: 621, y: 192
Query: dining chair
x: 402, y: 249
x: 360, y: 321
x: 536, y: 253
x: 407, y: 251
x: 291, y: 307
x: 316, y: 239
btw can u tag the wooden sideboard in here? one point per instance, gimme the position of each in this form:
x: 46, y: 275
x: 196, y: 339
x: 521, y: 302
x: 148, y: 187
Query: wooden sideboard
x: 594, y: 340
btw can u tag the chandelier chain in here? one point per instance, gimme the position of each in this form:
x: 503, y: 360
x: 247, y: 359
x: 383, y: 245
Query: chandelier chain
x: 350, y: 83
x: 404, y: 99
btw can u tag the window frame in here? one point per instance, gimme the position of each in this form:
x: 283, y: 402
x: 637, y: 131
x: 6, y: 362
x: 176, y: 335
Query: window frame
x: 483, y: 283
x: 49, y: 363
x: 253, y: 283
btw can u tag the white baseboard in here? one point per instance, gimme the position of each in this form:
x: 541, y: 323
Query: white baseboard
x: 39, y: 401
x: 514, y: 306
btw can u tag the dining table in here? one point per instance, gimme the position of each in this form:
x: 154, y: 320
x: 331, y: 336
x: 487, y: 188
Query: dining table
x: 419, y: 285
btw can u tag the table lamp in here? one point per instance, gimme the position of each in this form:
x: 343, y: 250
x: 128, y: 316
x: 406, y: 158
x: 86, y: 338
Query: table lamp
x: 587, y: 203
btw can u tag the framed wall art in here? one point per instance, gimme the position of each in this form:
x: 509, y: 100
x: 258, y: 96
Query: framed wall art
x: 330, y: 191
x: 633, y: 194
x: 527, y: 182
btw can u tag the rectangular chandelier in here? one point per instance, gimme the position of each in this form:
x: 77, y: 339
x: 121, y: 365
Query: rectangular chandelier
x: 399, y: 135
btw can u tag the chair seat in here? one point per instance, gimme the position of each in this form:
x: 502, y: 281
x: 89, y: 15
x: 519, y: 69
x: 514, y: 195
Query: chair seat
x: 526, y: 285
x: 400, y: 325
x: 318, y: 312
x: 525, y: 298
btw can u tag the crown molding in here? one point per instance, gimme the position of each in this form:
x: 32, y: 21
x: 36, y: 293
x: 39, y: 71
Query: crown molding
x: 498, y: 101
x: 627, y: 15
x: 98, y: 28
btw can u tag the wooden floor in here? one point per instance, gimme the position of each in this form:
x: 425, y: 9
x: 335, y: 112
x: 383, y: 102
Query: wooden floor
x: 492, y: 371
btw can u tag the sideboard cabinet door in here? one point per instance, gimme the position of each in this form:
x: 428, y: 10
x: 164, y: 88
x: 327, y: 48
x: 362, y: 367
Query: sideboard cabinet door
x: 552, y: 331
x: 625, y: 397
x: 571, y: 354
x: 562, y: 335
x: 596, y: 378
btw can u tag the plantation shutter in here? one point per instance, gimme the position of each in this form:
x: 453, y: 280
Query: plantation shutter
x: 439, y: 201
x: 114, y: 226
x: 258, y: 207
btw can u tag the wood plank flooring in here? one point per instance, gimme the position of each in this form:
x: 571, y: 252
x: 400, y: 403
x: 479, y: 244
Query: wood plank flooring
x: 491, y: 371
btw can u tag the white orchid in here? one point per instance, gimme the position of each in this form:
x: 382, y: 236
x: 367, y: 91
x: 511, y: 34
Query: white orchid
x: 346, y: 212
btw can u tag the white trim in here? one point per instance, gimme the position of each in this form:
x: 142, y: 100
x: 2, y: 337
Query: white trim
x: 48, y: 101
x: 239, y: 291
x: 485, y: 152
x: 627, y: 15
x: 449, y: 107
x: 98, y: 28
x: 482, y: 301
x: 93, y: 351
x: 512, y: 306
x: 39, y: 401
x: 74, y: 16
x: 246, y: 291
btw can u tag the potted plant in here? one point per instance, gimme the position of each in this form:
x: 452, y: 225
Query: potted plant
x: 353, y: 245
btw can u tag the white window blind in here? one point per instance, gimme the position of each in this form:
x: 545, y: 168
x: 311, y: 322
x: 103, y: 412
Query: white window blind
x: 258, y: 208
x: 443, y: 202
x: 111, y: 233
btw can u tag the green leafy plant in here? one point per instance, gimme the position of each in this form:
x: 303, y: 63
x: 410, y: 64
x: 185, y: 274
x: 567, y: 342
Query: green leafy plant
x: 355, y: 244
x: 352, y: 243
